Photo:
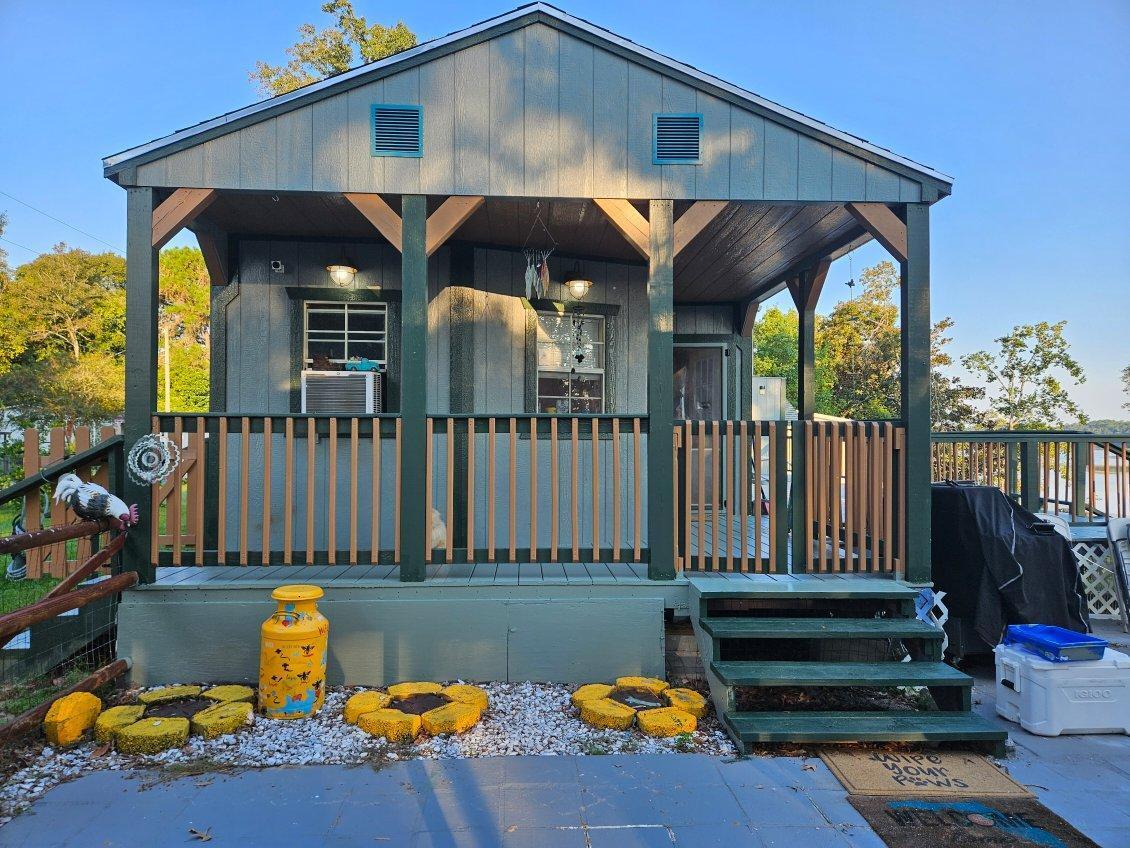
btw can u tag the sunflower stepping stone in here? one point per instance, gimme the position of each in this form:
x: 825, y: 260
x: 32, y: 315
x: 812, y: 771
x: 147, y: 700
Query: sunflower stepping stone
x: 407, y: 690
x: 114, y: 719
x: 152, y: 735
x: 608, y: 714
x: 687, y: 700
x: 223, y: 718
x: 652, y: 684
x: 591, y: 692
x: 393, y: 725
x: 70, y: 717
x: 665, y: 721
x: 364, y: 702
x: 168, y: 693
x: 450, y: 718
x: 230, y: 694
x: 466, y: 694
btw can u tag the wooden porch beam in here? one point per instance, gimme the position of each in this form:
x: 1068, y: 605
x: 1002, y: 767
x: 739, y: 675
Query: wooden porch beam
x: 633, y: 226
x: 450, y: 216
x: 815, y: 283
x: 178, y: 211
x: 380, y: 215
x: 887, y: 228
x: 214, y: 249
x: 748, y: 312
x: 694, y: 221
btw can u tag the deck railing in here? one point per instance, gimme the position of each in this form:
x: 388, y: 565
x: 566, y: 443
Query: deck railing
x: 261, y: 490
x: 1082, y: 477
x: 536, y: 488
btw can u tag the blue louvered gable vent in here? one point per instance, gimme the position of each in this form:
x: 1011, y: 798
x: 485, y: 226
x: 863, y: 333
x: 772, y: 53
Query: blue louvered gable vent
x: 677, y: 139
x: 397, y: 130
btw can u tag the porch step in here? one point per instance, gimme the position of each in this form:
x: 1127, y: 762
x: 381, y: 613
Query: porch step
x: 934, y: 726
x: 763, y: 587
x: 788, y: 673
x: 742, y: 627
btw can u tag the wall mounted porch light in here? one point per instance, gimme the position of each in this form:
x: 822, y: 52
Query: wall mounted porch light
x: 342, y: 275
x: 577, y: 285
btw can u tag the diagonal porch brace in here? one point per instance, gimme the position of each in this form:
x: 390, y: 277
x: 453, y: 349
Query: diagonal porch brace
x: 887, y: 228
x: 178, y: 211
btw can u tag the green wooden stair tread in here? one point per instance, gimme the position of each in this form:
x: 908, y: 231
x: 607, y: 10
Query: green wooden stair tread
x: 857, y: 588
x: 788, y: 673
x: 863, y: 727
x: 740, y: 627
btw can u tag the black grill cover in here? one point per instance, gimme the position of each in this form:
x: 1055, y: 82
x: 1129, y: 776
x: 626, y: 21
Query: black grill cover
x: 996, y: 570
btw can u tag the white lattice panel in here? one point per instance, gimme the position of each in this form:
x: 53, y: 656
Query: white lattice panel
x: 1096, y: 567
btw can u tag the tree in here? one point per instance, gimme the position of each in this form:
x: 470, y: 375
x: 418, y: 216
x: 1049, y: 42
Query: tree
x: 62, y: 330
x: 775, y: 348
x: 318, y: 55
x: 3, y: 253
x: 1126, y: 385
x: 951, y: 401
x: 185, y: 314
x: 1024, y: 391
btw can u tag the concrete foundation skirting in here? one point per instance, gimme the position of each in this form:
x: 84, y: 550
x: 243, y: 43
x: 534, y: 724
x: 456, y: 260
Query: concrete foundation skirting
x: 381, y: 636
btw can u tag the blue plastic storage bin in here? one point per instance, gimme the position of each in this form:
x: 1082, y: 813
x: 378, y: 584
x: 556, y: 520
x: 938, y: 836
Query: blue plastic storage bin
x: 1056, y: 644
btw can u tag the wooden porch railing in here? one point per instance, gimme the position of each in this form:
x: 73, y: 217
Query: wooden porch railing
x: 1082, y: 477
x: 537, y: 488
x: 261, y: 490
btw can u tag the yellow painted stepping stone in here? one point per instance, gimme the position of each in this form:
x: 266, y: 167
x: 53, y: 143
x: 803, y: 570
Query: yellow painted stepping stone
x: 364, y: 702
x: 393, y: 725
x: 450, y: 718
x: 114, y: 719
x: 591, y: 692
x: 652, y: 684
x: 168, y: 693
x: 467, y: 694
x: 70, y: 717
x: 223, y: 718
x: 407, y: 690
x: 152, y: 735
x: 687, y: 700
x: 230, y: 693
x: 665, y: 721
x: 606, y: 713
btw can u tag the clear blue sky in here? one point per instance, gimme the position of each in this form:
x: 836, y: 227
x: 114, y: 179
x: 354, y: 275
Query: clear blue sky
x: 1023, y: 102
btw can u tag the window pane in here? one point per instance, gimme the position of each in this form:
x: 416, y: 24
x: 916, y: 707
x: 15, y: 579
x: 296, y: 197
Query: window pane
x: 554, y: 385
x: 556, y: 406
x: 329, y: 350
x: 367, y: 350
x: 366, y: 320
x: 551, y: 357
x: 592, y: 329
x: 319, y: 319
x: 588, y: 386
x: 592, y: 406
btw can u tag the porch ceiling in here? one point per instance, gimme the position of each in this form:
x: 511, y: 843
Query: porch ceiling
x: 741, y: 254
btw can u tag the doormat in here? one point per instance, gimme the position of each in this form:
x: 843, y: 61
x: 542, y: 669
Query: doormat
x: 921, y: 774
x: 968, y: 823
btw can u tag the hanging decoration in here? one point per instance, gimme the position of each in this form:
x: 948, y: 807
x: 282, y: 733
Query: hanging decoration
x: 537, y: 258
x: 152, y: 459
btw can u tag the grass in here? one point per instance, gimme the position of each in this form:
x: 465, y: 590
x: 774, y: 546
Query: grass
x: 15, y: 594
x: 21, y: 697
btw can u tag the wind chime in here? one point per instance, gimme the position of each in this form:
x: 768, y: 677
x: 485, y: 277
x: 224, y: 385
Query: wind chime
x: 537, y: 259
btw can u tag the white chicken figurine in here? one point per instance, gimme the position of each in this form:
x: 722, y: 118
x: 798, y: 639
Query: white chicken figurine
x: 93, y: 503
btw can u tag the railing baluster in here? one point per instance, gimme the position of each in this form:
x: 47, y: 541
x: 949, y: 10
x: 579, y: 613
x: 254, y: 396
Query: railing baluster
x: 574, y: 508
x: 429, y: 433
x: 688, y: 452
x: 396, y: 499
x: 554, y: 495
x: 244, y: 485
x: 492, y: 495
x: 288, y: 491
x: 616, y: 490
x: 222, y: 493
x: 470, y: 490
x: 173, y: 504
x: 331, y: 495
x: 354, y: 446
x: 198, y: 489
x: 449, y: 540
x: 375, y: 492
x: 311, y: 464
x: 728, y: 487
x: 511, y: 512
x: 743, y: 493
x: 594, y: 426
x: 714, y: 495
x: 533, y: 489
x: 265, y: 553
x: 637, y: 540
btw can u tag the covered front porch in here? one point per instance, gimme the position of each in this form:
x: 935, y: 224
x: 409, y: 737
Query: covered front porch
x: 489, y: 445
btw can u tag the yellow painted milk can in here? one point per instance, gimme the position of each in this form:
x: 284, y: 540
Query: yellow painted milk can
x: 292, y: 655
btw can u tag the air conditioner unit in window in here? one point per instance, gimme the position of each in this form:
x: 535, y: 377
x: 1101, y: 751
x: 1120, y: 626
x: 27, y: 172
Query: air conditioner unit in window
x: 342, y: 392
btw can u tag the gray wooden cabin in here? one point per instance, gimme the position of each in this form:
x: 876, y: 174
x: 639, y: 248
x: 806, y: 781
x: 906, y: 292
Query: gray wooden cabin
x: 537, y: 458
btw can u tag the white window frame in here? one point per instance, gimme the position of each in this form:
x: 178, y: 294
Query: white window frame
x: 567, y: 370
x: 345, y: 307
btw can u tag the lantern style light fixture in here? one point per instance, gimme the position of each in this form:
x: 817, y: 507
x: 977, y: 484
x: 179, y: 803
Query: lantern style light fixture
x: 577, y: 285
x: 342, y: 275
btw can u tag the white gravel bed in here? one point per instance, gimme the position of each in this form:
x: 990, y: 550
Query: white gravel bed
x: 523, y: 718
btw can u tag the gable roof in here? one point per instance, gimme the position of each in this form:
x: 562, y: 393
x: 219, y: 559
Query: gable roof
x: 492, y: 27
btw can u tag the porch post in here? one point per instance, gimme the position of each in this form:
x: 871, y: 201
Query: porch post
x: 915, y: 317
x: 413, y: 386
x: 806, y: 406
x: 660, y: 392
x: 141, y: 366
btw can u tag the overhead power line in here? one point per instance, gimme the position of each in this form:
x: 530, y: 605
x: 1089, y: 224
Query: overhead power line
x: 22, y: 246
x: 59, y: 221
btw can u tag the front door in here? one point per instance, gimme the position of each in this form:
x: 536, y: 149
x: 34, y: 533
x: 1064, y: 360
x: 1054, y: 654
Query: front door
x: 700, y: 396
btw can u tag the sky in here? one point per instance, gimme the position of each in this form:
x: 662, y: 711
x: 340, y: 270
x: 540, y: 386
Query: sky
x: 1024, y: 103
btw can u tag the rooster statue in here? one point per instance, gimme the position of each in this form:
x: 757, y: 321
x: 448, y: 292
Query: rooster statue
x: 93, y: 503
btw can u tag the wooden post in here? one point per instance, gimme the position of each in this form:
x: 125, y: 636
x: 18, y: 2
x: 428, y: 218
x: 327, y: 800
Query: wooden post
x: 806, y: 407
x: 915, y: 384
x: 1030, y: 475
x: 660, y: 392
x: 413, y: 386
x: 141, y: 367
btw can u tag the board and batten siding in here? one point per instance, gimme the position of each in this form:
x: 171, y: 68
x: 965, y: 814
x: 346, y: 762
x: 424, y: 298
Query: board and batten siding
x: 535, y: 112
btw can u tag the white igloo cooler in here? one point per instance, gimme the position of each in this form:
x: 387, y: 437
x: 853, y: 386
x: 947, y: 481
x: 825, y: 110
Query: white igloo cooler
x: 1049, y: 698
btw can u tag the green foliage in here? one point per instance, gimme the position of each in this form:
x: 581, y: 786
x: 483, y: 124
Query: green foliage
x: 62, y: 332
x: 1107, y: 426
x: 775, y: 348
x: 3, y: 253
x: 318, y: 55
x: 951, y: 401
x: 185, y: 314
x: 1126, y: 385
x: 1024, y: 389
